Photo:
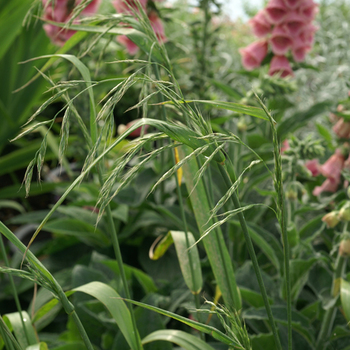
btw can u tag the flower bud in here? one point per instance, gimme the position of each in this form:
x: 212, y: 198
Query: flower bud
x: 344, y: 212
x: 331, y: 219
x: 344, y: 248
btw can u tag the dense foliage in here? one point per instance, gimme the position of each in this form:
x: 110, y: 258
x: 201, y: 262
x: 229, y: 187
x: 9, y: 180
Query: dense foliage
x: 157, y: 195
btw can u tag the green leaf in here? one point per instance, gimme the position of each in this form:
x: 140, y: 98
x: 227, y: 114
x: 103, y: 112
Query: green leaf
x: 299, y: 270
x: 11, y: 18
x: 85, y: 232
x: 270, y: 250
x: 215, y: 333
x: 263, y: 342
x: 38, y: 346
x: 162, y: 247
x: 116, y: 306
x: 299, y: 119
x: 187, y: 257
x: 253, y: 298
x: 185, y: 340
x: 345, y: 298
x: 228, y: 90
x: 14, y: 323
x: 231, y: 106
x: 214, y: 243
x: 299, y: 323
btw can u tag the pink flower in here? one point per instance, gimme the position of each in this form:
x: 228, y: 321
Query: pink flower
x: 308, y: 9
x: 281, y: 41
x: 157, y: 26
x: 260, y: 25
x: 328, y: 186
x: 136, y: 133
x: 285, y: 146
x: 280, y: 65
x: 313, y: 166
x: 294, y: 23
x: 307, y: 34
x: 292, y: 4
x: 61, y: 11
x: 276, y: 11
x: 128, y: 6
x: 299, y: 49
x: 91, y: 8
x: 342, y: 129
x: 253, y: 54
x: 333, y: 166
x: 131, y: 47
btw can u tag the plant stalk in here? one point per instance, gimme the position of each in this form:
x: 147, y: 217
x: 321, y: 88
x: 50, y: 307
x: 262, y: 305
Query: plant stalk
x: 250, y: 247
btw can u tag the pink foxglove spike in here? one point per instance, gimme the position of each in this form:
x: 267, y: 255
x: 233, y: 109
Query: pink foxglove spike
x: 260, y: 24
x: 280, y: 65
x: 253, y: 54
x: 276, y: 11
x: 281, y: 41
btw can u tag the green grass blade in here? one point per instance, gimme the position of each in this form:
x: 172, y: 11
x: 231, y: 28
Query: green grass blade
x: 215, y: 333
x: 184, y: 340
x: 116, y: 306
x: 214, y: 244
x: 231, y: 106
x: 14, y: 319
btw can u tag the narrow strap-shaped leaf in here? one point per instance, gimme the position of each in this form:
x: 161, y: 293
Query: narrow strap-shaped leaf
x: 345, y: 297
x: 214, y: 243
x: 116, y: 306
x: 215, y: 333
x: 185, y: 340
x: 14, y: 319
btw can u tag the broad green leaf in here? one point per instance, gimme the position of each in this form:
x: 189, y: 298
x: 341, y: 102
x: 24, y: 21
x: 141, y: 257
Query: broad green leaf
x: 214, y: 243
x: 185, y: 340
x: 299, y: 323
x: 263, y: 342
x: 11, y: 19
x: 71, y: 346
x: 187, y: 257
x: 299, y: 270
x: 253, y: 298
x: 161, y: 247
x: 259, y: 240
x: 14, y: 323
x: 231, y: 106
x: 116, y: 306
x: 299, y: 119
x: 215, y: 333
x: 228, y: 90
x: 345, y: 298
x: 11, y: 204
x: 84, y: 231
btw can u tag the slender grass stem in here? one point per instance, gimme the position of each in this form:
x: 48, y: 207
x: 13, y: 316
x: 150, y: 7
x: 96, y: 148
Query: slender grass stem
x: 14, y: 290
x: 82, y: 330
x: 282, y: 218
x: 250, y: 247
x: 180, y: 199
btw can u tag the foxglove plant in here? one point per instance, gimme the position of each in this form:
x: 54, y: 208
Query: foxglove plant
x: 284, y: 25
x: 62, y: 11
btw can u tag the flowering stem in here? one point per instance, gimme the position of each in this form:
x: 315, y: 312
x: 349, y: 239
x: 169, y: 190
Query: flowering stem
x: 229, y: 177
x: 282, y: 218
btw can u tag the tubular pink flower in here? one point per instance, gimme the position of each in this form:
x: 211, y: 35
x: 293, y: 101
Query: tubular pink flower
x: 276, y: 11
x: 260, y: 24
x: 342, y: 129
x: 333, y: 166
x: 299, y: 49
x: 328, y: 185
x: 91, y: 8
x: 285, y: 146
x: 307, y: 34
x: 131, y: 47
x: 157, y: 26
x: 308, y: 9
x: 292, y: 4
x: 281, y: 41
x: 127, y: 7
x: 313, y: 166
x: 280, y: 65
x: 253, y: 54
x: 294, y: 23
